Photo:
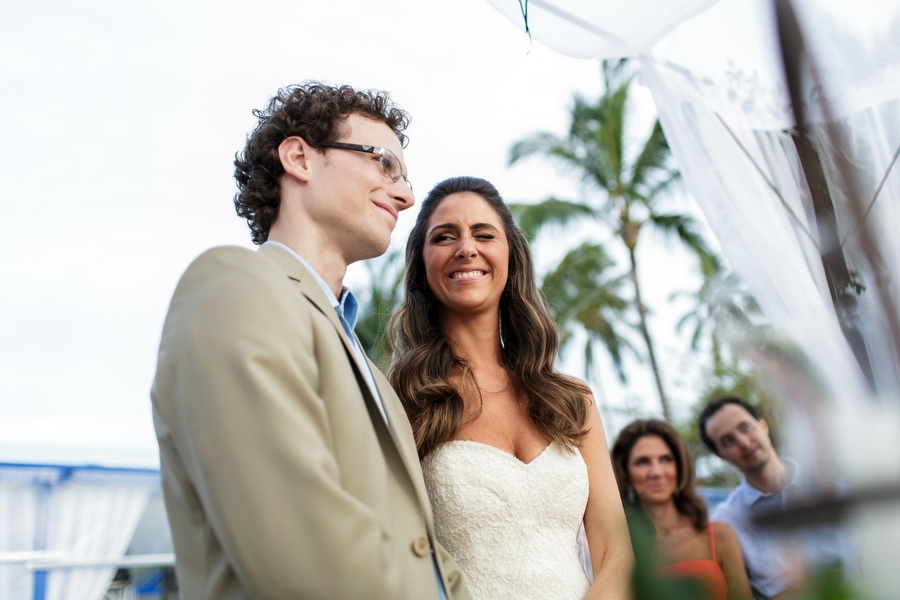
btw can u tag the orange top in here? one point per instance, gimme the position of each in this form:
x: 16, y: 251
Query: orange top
x: 707, y: 572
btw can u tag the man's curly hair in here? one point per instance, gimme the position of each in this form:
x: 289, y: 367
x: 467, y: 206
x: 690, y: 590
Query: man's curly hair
x: 313, y: 111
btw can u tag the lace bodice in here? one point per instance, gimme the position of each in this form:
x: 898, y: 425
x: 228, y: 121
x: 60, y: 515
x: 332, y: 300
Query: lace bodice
x: 511, y: 526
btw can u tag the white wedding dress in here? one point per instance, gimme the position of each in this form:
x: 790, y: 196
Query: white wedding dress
x: 511, y: 526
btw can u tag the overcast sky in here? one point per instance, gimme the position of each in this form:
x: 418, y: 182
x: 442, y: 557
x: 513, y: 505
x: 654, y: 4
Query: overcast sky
x: 119, y: 123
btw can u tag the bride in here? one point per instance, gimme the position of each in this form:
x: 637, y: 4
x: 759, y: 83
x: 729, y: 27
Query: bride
x: 514, y: 453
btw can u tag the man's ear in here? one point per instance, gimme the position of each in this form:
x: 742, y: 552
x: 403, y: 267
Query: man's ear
x: 294, y: 155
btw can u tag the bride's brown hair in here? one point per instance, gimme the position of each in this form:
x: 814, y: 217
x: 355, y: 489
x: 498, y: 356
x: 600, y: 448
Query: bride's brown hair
x: 423, y: 358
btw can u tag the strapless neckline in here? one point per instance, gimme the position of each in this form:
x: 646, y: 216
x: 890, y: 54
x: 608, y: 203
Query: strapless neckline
x: 489, y: 448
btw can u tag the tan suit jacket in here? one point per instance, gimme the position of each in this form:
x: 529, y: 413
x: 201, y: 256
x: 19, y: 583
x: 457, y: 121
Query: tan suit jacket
x: 281, y: 478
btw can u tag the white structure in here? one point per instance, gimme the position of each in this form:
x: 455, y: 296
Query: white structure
x: 65, y: 530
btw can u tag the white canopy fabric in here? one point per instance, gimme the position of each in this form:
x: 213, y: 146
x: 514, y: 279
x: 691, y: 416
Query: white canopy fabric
x: 715, y: 73
x: 591, y: 29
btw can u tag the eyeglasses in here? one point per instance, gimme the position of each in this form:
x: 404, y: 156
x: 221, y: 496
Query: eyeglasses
x: 389, y: 162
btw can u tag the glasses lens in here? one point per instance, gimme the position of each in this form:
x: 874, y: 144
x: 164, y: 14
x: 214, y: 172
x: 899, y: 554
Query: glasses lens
x: 391, y: 165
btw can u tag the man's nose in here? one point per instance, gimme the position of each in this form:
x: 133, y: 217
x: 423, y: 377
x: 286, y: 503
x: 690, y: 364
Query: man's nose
x: 743, y: 440
x: 403, y: 194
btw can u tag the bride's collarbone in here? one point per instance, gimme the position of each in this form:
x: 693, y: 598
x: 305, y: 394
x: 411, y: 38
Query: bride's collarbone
x: 522, y: 440
x: 502, y: 407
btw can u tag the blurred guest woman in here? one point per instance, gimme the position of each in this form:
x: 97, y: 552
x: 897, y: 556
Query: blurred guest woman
x: 514, y: 453
x: 655, y: 474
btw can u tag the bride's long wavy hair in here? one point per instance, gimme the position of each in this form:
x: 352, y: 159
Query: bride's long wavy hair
x: 423, y: 357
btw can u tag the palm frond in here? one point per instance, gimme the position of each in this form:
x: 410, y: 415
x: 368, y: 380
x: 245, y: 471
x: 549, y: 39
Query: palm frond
x: 684, y: 227
x: 617, y: 72
x: 610, y: 132
x: 532, y: 218
x: 652, y: 159
x: 541, y: 143
x: 583, y: 294
x: 665, y: 179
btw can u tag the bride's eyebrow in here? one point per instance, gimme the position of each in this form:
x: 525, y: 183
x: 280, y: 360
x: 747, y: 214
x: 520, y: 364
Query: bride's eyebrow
x: 454, y: 227
x: 442, y: 226
x: 483, y: 226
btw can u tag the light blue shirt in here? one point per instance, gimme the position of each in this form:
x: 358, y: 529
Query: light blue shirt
x: 766, y: 549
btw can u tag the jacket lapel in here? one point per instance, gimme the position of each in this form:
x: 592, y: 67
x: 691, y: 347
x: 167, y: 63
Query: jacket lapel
x: 309, y: 287
x: 311, y: 290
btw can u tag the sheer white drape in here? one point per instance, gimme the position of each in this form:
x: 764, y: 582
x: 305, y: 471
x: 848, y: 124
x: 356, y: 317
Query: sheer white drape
x: 90, y: 518
x: 715, y: 75
x: 746, y: 183
x: 74, y: 515
x: 18, y: 506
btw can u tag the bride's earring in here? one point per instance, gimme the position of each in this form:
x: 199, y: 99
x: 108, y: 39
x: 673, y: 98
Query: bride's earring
x: 630, y: 496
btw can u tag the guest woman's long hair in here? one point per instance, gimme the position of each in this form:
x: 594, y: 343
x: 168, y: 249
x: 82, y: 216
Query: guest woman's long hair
x: 687, y: 501
x: 423, y: 358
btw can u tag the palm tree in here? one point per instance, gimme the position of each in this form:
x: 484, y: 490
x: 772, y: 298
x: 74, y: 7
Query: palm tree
x: 582, y: 294
x: 721, y: 299
x: 621, y: 190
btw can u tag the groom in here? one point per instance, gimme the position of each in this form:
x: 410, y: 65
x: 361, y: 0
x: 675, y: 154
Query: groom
x: 289, y: 468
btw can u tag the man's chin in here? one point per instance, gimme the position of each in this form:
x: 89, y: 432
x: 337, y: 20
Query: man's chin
x: 756, y: 462
x: 373, y: 250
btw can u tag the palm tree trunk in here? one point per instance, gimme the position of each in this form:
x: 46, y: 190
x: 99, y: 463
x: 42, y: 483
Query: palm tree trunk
x: 642, y: 313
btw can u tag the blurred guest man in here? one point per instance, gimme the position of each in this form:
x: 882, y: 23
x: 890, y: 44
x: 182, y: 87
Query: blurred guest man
x: 776, y: 563
x: 289, y: 468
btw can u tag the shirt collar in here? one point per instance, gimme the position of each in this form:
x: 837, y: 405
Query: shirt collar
x: 347, y: 304
x: 751, y: 495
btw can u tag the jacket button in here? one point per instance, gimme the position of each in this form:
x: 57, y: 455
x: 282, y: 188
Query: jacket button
x: 421, y: 547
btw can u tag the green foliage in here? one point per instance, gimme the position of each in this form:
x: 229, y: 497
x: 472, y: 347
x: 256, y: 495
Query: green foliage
x: 531, y: 218
x: 377, y: 304
x: 581, y: 293
x: 830, y: 584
